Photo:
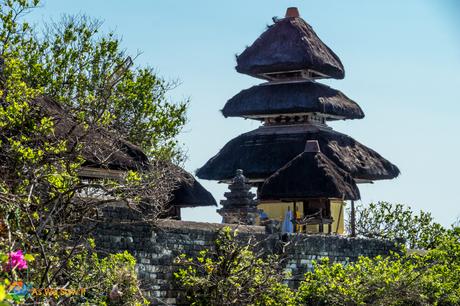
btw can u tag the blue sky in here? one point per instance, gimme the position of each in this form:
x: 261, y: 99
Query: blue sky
x: 402, y: 63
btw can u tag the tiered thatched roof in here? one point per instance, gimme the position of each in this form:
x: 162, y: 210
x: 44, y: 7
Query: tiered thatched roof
x: 263, y: 151
x: 292, y: 98
x: 290, y: 44
x: 295, y: 109
x: 309, y: 175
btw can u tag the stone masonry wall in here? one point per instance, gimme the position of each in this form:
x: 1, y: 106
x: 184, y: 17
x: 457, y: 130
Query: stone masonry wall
x: 156, y: 247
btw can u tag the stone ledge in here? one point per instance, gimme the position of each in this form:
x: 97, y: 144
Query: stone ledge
x: 208, y: 227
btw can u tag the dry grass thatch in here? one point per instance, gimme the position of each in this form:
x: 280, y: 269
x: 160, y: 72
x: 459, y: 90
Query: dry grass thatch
x: 100, y: 147
x: 309, y: 175
x: 190, y: 193
x: 108, y: 156
x: 263, y: 151
x: 292, y: 98
x: 289, y: 44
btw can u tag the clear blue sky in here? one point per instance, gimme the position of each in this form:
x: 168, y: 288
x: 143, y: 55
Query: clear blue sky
x: 402, y: 63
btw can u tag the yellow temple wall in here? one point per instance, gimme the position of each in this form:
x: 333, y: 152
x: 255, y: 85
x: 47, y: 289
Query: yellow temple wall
x: 277, y: 211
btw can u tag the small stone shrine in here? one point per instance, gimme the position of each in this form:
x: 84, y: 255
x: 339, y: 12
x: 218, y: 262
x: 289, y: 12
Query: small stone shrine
x: 239, y: 206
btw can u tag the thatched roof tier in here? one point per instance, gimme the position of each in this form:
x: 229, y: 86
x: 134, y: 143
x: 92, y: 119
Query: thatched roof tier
x: 190, y: 193
x: 187, y: 193
x: 292, y: 98
x: 309, y: 175
x: 101, y: 148
x: 289, y: 45
x: 263, y: 151
x: 107, y: 156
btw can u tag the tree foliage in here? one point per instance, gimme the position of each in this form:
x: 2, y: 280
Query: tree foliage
x: 430, y: 277
x: 233, y: 273
x: 369, y: 281
x: 397, y: 221
x: 75, y: 64
x: 47, y: 210
x: 114, y: 276
x: 42, y: 198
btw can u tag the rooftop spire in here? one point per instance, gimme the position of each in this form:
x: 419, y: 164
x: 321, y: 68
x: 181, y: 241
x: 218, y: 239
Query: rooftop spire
x: 292, y: 12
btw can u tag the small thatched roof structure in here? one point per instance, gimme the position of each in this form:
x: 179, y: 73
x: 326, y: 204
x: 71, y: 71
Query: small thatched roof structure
x: 263, y: 151
x: 290, y: 45
x: 188, y: 192
x: 292, y: 98
x: 309, y: 175
x: 107, y: 156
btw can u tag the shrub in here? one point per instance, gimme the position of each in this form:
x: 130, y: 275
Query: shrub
x: 429, y: 278
x: 397, y: 221
x: 233, y: 273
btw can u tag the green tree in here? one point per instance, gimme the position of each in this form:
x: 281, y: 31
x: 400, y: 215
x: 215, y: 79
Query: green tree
x: 46, y: 209
x: 233, y: 273
x: 369, y: 281
x: 428, y: 278
x: 397, y: 221
x: 441, y: 280
x: 41, y: 203
x: 73, y: 63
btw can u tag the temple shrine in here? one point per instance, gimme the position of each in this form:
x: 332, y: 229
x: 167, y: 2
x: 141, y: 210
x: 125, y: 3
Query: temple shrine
x: 295, y: 160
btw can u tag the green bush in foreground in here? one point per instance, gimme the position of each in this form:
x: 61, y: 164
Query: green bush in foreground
x: 111, y: 280
x: 378, y: 281
x: 431, y: 278
x: 235, y: 274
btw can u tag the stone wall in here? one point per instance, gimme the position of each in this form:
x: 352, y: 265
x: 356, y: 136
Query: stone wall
x: 156, y: 247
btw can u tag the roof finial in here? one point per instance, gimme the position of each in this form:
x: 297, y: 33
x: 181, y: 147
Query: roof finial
x: 292, y: 12
x: 312, y: 146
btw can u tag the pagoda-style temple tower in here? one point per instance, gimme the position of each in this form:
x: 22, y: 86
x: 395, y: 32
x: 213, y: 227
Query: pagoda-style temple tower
x: 293, y: 108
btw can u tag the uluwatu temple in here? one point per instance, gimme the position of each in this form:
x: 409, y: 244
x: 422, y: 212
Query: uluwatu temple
x: 293, y: 174
x: 304, y: 171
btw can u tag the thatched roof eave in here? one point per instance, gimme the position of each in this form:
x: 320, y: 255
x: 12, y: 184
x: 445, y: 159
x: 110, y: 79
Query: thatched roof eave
x: 108, y: 156
x: 263, y: 151
x: 310, y: 175
x: 295, y: 98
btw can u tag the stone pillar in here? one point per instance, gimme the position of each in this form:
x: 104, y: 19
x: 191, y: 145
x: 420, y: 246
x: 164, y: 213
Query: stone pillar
x: 239, y: 206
